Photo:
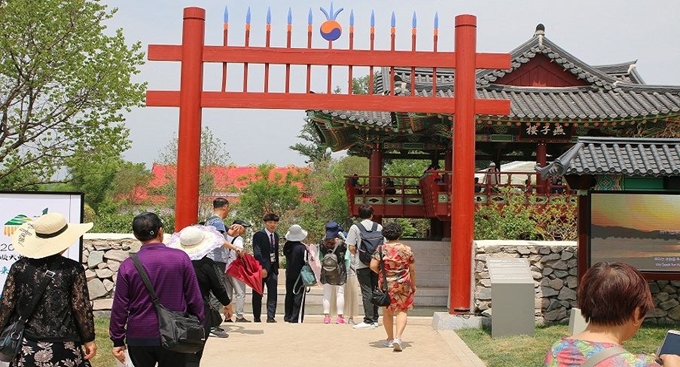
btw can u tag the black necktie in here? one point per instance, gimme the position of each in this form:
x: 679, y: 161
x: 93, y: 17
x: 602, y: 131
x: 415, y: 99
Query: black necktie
x: 271, y: 242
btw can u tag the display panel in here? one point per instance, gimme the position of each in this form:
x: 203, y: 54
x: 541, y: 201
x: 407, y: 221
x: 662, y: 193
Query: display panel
x: 20, y: 207
x: 639, y: 228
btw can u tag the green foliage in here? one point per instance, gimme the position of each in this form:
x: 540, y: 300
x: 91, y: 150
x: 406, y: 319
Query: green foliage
x: 122, y: 222
x: 63, y: 85
x: 557, y: 221
x: 129, y: 184
x: 317, y: 150
x: 325, y: 188
x: 412, y: 227
x: 113, y: 223
x: 513, y: 219
x: 89, y: 215
x: 268, y: 192
x: 93, y: 173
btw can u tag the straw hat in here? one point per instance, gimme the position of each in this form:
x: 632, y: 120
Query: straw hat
x: 196, y: 241
x: 48, y: 235
x: 296, y: 233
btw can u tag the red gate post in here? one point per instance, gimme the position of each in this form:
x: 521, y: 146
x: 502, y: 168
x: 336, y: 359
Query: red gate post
x: 189, y: 139
x: 462, y: 190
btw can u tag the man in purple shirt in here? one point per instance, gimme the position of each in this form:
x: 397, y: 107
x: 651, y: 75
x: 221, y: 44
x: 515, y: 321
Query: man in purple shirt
x: 133, y: 316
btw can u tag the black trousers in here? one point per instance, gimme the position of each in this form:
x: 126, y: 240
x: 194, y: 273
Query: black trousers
x: 293, y: 303
x: 148, y: 356
x: 368, y: 280
x: 270, y: 282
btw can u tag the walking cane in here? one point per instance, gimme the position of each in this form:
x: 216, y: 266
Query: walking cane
x: 301, y: 316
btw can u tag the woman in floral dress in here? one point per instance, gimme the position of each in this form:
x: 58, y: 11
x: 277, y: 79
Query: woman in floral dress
x: 401, y: 282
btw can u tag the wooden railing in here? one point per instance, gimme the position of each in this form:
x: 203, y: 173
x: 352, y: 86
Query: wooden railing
x: 428, y: 196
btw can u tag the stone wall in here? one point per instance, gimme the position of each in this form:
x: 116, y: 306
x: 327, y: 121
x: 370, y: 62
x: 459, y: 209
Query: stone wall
x: 553, y: 267
x: 102, y: 255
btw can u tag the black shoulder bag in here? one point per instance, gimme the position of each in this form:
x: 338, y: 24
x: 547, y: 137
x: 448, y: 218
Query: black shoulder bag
x: 381, y: 297
x: 180, y: 332
x: 13, y: 333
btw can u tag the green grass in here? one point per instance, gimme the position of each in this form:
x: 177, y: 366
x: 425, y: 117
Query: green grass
x: 529, y: 351
x: 104, y: 358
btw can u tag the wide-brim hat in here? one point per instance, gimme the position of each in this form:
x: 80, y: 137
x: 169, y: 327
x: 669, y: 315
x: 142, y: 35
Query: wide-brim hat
x: 196, y: 241
x: 46, y: 236
x: 296, y: 233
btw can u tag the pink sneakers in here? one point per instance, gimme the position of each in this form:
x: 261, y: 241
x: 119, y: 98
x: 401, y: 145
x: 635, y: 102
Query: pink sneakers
x: 340, y: 320
x: 327, y: 320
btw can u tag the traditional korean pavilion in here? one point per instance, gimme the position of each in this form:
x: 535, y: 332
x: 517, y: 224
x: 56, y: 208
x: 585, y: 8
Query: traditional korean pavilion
x: 555, y: 98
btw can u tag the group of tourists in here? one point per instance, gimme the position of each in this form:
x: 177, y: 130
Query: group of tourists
x: 189, y: 274
x: 344, y: 262
x: 45, y: 299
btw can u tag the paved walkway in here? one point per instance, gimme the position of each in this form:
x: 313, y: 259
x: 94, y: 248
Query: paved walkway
x: 314, y: 344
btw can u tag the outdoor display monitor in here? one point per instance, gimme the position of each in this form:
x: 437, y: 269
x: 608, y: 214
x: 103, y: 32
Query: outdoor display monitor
x: 639, y: 228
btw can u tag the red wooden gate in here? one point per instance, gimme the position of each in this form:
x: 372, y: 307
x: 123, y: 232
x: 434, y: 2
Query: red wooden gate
x: 191, y: 98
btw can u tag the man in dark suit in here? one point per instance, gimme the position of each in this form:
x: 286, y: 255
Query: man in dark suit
x: 266, y: 251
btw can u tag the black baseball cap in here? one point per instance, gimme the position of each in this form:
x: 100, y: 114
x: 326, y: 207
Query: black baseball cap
x: 242, y: 222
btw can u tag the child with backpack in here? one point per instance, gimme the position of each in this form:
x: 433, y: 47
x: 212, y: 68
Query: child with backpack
x: 334, y: 259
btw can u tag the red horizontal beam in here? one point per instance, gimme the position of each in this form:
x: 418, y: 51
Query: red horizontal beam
x: 493, y: 61
x: 303, y: 101
x: 492, y: 107
x: 305, y: 56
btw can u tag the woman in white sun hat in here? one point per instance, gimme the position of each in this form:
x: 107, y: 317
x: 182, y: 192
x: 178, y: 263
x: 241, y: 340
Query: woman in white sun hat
x: 61, y: 322
x: 295, y: 252
x: 197, y: 242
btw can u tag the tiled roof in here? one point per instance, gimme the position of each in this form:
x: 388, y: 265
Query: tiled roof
x: 625, y: 71
x: 612, y: 93
x: 540, y: 44
x: 380, y: 119
x: 613, y: 156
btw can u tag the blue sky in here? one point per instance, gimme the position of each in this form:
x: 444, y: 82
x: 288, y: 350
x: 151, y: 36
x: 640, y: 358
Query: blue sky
x: 597, y: 32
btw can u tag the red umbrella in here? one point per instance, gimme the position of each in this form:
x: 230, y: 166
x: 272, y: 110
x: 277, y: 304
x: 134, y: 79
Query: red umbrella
x: 248, y: 270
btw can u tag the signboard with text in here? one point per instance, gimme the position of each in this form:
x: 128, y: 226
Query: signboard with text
x: 17, y: 208
x: 545, y: 131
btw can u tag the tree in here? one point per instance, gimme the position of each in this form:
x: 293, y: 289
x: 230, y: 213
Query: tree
x: 63, y: 84
x: 213, y: 154
x: 93, y: 172
x: 269, y: 193
x: 317, y: 150
x: 129, y: 184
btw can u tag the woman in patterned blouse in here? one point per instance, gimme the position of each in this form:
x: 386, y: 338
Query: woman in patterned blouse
x: 62, y: 321
x: 613, y: 298
x: 400, y: 274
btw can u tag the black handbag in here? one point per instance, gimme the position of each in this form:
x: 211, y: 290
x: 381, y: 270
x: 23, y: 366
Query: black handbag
x: 180, y: 332
x: 13, y: 333
x: 380, y: 297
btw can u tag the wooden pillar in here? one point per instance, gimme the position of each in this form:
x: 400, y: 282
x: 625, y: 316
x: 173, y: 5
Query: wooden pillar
x: 375, y: 175
x: 541, y: 159
x: 462, y: 190
x: 448, y: 167
x: 582, y: 231
x: 189, y: 138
